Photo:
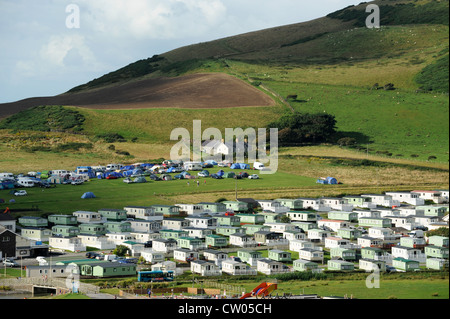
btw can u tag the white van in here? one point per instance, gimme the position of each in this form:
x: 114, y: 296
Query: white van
x: 258, y: 165
x: 113, y: 167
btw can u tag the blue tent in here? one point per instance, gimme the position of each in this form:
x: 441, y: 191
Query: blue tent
x: 331, y: 180
x: 128, y: 168
x: 211, y: 162
x: 220, y: 173
x: 240, y: 166
x: 170, y: 170
x: 88, y: 195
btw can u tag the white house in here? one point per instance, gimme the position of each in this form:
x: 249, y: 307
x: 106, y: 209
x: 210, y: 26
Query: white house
x: 270, y: 267
x: 334, y: 225
x: 152, y: 256
x: 237, y: 268
x: 215, y: 256
x: 191, y: 209
x: 318, y: 234
x: 336, y: 242
x: 382, y: 200
x: 382, y: 233
x: 280, y: 227
x: 84, y: 217
x: 294, y: 235
x: 370, y: 265
x: 242, y: 240
x: 164, y: 245
x: 205, y: 268
x: 302, y: 216
x: 144, y: 237
x: 174, y: 223
x: 337, y: 203
x: 198, y: 232
x: 435, y: 196
x: 408, y: 253
x: 145, y: 225
x: 427, y: 221
x: 311, y: 254
x: 185, y: 255
x: 297, y: 245
x: 71, y: 244
x: 367, y: 241
x: 202, y: 222
x: 119, y: 238
x: 407, y: 197
x: 96, y: 241
x: 368, y: 213
x: 273, y: 206
x: 143, y: 213
x: 36, y: 233
x: 315, y: 204
x: 406, y: 222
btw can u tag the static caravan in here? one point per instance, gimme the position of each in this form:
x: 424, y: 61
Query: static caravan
x: 113, y: 167
x: 193, y: 166
x: 7, y: 175
x: 26, y: 182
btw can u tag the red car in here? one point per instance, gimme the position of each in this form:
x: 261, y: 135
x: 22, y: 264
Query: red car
x: 111, y: 177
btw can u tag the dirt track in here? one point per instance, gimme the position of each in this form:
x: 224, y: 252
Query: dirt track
x: 210, y: 90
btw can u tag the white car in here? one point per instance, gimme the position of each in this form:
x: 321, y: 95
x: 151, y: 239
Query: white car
x: 253, y: 176
x: 10, y: 263
x: 21, y: 193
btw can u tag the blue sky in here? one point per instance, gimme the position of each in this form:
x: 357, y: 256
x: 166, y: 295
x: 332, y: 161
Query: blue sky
x: 41, y: 56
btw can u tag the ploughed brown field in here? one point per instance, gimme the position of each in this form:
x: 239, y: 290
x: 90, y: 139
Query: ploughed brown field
x: 210, y: 90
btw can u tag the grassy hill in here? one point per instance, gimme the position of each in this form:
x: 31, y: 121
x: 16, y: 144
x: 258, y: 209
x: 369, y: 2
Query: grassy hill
x: 333, y: 64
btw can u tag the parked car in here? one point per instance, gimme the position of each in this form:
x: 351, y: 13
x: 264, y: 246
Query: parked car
x: 20, y: 193
x: 77, y: 182
x: 253, y: 176
x: 92, y: 255
x: 10, y: 263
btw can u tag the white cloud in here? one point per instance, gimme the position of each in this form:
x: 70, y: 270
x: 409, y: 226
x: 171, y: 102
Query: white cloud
x: 152, y: 19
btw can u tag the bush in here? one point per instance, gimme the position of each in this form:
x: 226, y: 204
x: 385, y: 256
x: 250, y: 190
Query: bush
x: 45, y: 119
x: 301, y: 128
x: 111, y: 137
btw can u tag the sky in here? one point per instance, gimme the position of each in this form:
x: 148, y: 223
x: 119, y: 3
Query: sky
x: 48, y: 47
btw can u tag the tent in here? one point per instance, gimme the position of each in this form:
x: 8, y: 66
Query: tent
x: 166, y: 177
x: 220, y: 173
x: 171, y: 170
x: 331, y: 180
x: 327, y: 181
x: 211, y: 162
x: 140, y: 180
x: 240, y: 166
x: 229, y: 175
x: 88, y: 195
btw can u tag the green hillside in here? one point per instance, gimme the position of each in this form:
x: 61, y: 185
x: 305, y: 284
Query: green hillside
x: 386, y: 87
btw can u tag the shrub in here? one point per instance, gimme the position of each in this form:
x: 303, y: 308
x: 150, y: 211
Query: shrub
x: 111, y: 137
